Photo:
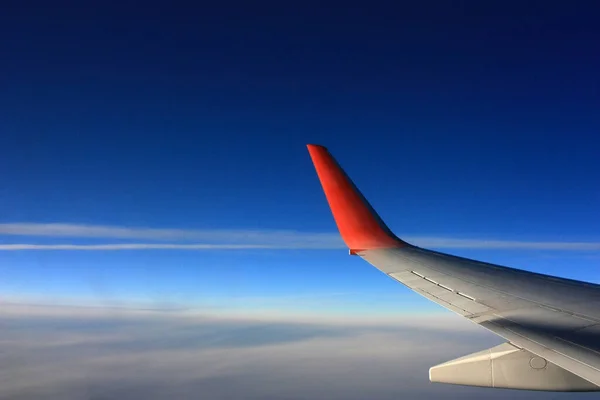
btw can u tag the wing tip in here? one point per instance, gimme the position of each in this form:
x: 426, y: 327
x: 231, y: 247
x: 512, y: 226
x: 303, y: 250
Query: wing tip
x: 316, y: 147
x: 358, y: 223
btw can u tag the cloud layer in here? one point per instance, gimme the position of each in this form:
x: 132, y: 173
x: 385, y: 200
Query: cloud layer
x: 219, y: 239
x: 58, y: 353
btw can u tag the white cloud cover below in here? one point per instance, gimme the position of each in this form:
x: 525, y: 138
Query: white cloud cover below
x: 59, y: 353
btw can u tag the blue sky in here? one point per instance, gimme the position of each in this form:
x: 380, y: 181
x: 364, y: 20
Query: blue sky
x: 477, y: 122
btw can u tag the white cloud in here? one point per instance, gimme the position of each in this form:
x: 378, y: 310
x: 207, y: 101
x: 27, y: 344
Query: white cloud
x: 265, y: 237
x: 222, y: 239
x: 78, y: 356
x: 135, y: 246
x: 442, y: 242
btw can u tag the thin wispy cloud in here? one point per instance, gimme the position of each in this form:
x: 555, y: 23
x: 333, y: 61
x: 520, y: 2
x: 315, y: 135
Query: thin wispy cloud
x: 442, y: 242
x: 224, y: 239
x: 257, y: 236
x: 154, y: 246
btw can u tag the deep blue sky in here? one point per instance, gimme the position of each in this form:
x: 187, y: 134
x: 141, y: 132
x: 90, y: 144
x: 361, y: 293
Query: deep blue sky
x: 456, y: 119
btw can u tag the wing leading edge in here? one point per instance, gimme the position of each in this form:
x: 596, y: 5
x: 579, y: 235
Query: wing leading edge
x: 552, y: 325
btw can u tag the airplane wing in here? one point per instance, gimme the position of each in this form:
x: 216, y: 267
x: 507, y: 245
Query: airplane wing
x: 551, y: 324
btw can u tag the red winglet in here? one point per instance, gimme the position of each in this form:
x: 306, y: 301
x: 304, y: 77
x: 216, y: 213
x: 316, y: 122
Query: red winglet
x: 360, y: 226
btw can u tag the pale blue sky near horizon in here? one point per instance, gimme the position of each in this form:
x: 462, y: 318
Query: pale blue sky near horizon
x: 475, y: 124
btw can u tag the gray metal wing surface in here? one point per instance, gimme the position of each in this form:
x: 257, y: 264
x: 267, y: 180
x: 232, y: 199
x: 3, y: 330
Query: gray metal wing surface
x: 551, y: 324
